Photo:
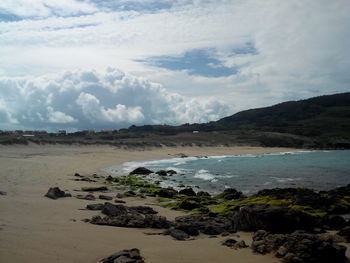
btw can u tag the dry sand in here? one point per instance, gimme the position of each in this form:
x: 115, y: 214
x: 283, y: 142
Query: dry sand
x: 34, y: 228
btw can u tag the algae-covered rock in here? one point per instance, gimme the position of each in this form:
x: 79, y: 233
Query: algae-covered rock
x: 141, y: 171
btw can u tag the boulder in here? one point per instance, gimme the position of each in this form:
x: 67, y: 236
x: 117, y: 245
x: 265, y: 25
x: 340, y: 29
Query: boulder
x: 141, y: 171
x: 162, y: 173
x: 105, y: 197
x: 202, y: 193
x: 230, y: 194
x: 298, y: 246
x: 345, y: 232
x: 124, y: 256
x: 187, y: 191
x: 167, y: 193
x: 178, y: 234
x: 95, y: 206
x: 336, y: 222
x: 146, y: 210
x: 114, y: 210
x: 171, y: 172
x: 55, y: 193
x: 3, y: 193
x: 274, y: 219
x: 94, y: 189
x: 230, y: 242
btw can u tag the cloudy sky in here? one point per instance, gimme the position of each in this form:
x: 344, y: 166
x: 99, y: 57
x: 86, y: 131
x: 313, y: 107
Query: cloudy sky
x: 107, y: 64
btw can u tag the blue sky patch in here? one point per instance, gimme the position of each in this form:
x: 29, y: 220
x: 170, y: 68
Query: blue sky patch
x: 197, y: 62
x: 6, y: 17
x: 132, y: 5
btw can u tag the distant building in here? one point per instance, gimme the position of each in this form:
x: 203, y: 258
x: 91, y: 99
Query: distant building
x: 62, y: 132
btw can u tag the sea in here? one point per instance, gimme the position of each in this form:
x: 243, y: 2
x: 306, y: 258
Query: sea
x: 249, y: 173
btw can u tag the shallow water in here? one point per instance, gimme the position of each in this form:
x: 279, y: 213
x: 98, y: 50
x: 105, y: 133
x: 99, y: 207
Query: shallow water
x: 251, y: 173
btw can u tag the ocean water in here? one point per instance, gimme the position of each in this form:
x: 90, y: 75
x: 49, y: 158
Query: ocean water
x: 249, y: 173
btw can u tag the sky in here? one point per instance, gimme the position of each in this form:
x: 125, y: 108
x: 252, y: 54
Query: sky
x: 108, y: 64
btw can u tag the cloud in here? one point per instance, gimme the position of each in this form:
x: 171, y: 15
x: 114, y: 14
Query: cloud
x: 108, y: 99
x: 261, y: 53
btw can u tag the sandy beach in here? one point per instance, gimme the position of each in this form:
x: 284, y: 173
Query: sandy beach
x: 34, y: 228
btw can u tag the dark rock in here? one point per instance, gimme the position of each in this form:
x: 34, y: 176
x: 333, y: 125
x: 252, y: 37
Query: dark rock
x: 202, y: 193
x: 95, y: 206
x: 77, y: 175
x: 146, y: 210
x: 141, y: 171
x: 336, y: 222
x: 298, y: 246
x: 162, y: 173
x: 86, y: 197
x: 187, y: 191
x: 229, y: 242
x: 231, y: 194
x: 205, y: 224
x: 129, y: 193
x: 178, y: 234
x: 275, y: 219
x: 240, y: 244
x: 119, y: 201
x: 345, y: 232
x: 114, y: 210
x: 167, y: 193
x: 3, y: 193
x: 189, y: 204
x: 171, y: 172
x: 94, y: 189
x: 109, y: 178
x: 188, y: 229
x: 55, y: 193
x: 124, y: 256
x: 105, y: 197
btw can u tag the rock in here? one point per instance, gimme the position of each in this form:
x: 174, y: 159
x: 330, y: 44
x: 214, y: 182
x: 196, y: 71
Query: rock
x: 162, y: 173
x: 336, y: 222
x: 231, y: 194
x: 3, y: 193
x: 129, y: 193
x: 274, y: 219
x: 229, y: 242
x: 345, y: 232
x: 114, y: 210
x: 179, y: 234
x: 124, y: 256
x: 95, y: 206
x: 141, y: 171
x: 189, y: 204
x: 240, y: 244
x: 55, y: 193
x: 205, y: 224
x: 298, y: 247
x: 202, y: 193
x: 94, y: 189
x: 119, y: 201
x: 171, y: 172
x: 188, y: 229
x: 146, y: 210
x: 187, y: 191
x: 109, y: 178
x: 86, y: 197
x: 77, y: 175
x: 167, y: 193
x: 105, y: 197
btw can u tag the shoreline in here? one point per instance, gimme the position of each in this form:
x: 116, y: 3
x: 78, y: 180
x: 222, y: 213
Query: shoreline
x: 34, y: 228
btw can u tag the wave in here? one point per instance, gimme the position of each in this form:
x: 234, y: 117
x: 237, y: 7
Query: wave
x: 204, y: 175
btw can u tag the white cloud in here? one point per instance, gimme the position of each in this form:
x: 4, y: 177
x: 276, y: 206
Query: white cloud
x: 57, y: 117
x: 99, y: 99
x: 300, y: 51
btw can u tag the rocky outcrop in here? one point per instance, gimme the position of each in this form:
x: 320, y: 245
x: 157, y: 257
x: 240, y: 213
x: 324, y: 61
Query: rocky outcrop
x: 166, y: 172
x: 298, y: 247
x: 123, y: 216
x: 95, y: 207
x: 55, y: 193
x: 275, y: 219
x: 230, y: 194
x: 124, y: 256
x: 141, y: 171
x: 192, y: 225
x: 187, y: 191
x: 167, y: 193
